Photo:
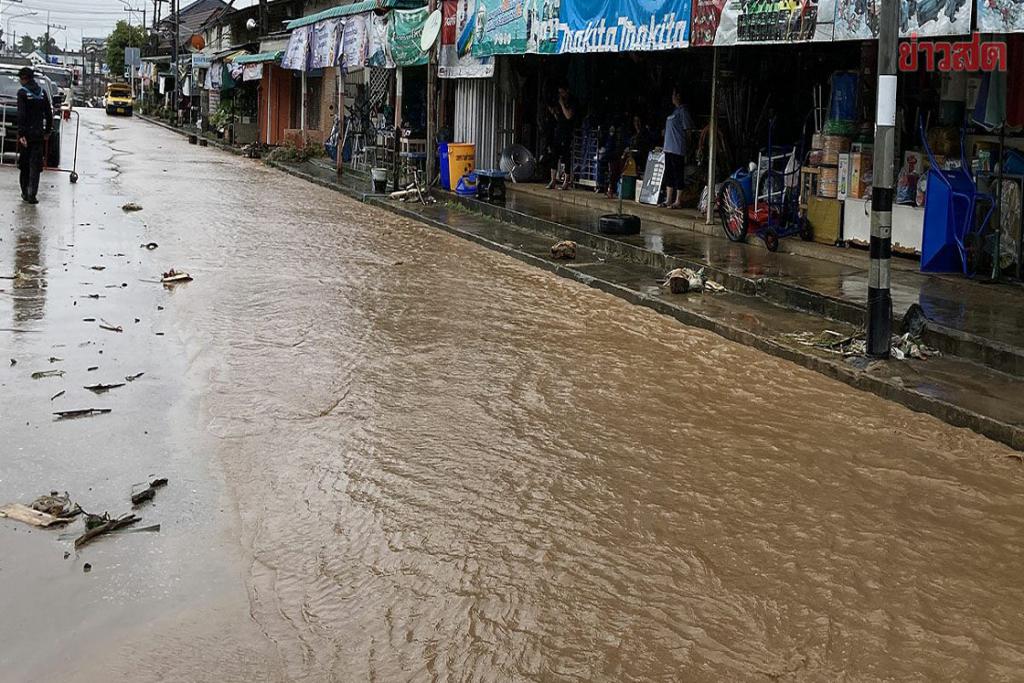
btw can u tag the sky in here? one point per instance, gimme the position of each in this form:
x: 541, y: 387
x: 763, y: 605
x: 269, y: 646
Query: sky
x: 81, y: 17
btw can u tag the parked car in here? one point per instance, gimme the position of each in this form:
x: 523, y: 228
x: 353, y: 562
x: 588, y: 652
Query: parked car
x: 9, y: 86
x: 119, y: 99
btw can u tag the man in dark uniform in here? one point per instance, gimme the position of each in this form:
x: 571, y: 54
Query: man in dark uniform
x: 35, y: 121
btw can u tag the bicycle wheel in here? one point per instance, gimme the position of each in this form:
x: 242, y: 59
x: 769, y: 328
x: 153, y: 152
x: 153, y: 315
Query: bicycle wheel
x: 732, y: 210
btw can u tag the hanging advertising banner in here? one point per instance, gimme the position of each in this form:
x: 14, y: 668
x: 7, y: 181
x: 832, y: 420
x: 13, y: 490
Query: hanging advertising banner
x: 404, y: 32
x: 354, y: 43
x: 377, y: 53
x: 296, y: 55
x: 858, y: 19
x: 455, y: 57
x: 1000, y: 16
x: 252, y: 72
x: 515, y: 27
x: 325, y: 39
x: 752, y: 22
x: 624, y: 25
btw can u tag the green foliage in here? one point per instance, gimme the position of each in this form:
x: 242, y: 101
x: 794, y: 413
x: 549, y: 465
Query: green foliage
x: 26, y: 45
x: 221, y: 117
x: 121, y: 37
x: 292, y: 153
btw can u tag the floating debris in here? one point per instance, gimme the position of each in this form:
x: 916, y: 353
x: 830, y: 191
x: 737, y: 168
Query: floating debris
x: 14, y: 362
x: 104, y: 325
x: 683, y: 280
x: 173, y: 276
x: 83, y: 412
x: 106, y: 527
x: 565, y: 250
x: 102, y: 388
x: 47, y: 373
x: 149, y: 245
x: 24, y: 513
x: 98, y: 267
x: 149, y: 492
x: 132, y: 378
x: 91, y: 368
x: 57, y: 395
x: 56, y: 505
x: 902, y: 347
x: 54, y: 359
x: 131, y: 206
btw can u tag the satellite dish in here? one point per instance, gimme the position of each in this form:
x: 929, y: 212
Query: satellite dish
x: 197, y: 42
x: 431, y: 30
x: 250, y: 24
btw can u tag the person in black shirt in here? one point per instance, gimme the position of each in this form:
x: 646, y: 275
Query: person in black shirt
x: 35, y: 121
x: 564, y: 112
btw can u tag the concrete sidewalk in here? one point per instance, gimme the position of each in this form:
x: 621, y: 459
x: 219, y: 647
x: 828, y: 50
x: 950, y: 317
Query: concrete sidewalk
x: 961, y: 392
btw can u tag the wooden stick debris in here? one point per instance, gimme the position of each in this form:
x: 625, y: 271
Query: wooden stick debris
x: 112, y: 525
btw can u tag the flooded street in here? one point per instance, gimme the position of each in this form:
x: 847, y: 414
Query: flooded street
x: 395, y: 455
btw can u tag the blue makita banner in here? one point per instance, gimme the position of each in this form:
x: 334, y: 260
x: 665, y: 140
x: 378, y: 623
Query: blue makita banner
x: 623, y: 25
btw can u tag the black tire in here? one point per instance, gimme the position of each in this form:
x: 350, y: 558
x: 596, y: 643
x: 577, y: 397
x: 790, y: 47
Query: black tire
x: 129, y: 112
x: 806, y: 231
x: 771, y: 240
x: 732, y: 210
x: 619, y: 224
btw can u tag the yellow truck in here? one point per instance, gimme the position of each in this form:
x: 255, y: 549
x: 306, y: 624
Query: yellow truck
x: 119, y: 99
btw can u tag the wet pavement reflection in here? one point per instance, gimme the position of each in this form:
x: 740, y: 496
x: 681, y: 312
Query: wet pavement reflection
x: 407, y: 458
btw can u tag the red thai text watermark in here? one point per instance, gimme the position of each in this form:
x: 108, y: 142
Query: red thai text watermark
x: 945, y: 55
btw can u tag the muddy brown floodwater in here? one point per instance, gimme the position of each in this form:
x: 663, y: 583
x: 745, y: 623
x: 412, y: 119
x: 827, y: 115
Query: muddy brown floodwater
x: 459, y: 468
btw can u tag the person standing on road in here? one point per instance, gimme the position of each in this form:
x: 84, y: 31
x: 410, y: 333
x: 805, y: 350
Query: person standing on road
x: 35, y: 121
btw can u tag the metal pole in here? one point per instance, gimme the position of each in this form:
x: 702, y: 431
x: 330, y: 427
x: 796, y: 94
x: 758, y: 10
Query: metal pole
x: 879, y: 296
x: 302, y: 108
x: 269, y: 94
x: 431, y: 106
x: 339, y: 162
x: 712, y: 135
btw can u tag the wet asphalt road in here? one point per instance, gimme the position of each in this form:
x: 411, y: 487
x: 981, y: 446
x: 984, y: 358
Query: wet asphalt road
x: 394, y: 455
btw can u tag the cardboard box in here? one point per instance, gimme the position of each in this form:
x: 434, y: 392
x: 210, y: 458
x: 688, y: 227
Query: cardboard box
x: 844, y: 176
x: 860, y: 174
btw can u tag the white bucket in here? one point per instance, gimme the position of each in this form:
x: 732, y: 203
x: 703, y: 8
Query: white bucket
x: 380, y: 179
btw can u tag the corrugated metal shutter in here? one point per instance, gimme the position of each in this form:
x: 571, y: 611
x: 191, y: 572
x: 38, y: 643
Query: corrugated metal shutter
x: 483, y: 116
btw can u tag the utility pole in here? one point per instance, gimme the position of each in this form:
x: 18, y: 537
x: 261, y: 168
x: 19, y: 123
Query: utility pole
x: 59, y: 27
x: 7, y: 37
x: 879, y: 295
x: 174, y: 58
x: 264, y: 18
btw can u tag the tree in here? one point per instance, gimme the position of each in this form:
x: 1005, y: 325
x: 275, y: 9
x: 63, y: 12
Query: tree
x: 41, y: 42
x: 121, y: 37
x: 26, y: 45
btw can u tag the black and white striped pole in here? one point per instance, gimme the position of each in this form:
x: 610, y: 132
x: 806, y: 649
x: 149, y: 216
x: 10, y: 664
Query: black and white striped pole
x: 879, y: 296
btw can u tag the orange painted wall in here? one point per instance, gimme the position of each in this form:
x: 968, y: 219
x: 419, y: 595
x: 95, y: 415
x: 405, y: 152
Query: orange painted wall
x: 277, y: 85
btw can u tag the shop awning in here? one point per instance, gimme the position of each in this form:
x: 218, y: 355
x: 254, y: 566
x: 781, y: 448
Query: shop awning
x: 354, y: 8
x: 260, y: 57
x: 234, y: 56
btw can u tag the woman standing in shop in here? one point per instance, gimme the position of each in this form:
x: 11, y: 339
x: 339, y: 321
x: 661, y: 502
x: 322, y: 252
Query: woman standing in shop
x: 677, y: 127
